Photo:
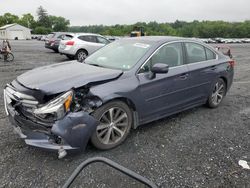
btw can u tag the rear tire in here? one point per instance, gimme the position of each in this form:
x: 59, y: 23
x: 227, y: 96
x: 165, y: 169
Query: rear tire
x: 218, y: 93
x: 115, y: 123
x: 81, y: 55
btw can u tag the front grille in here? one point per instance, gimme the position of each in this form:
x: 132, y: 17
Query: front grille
x: 16, y: 97
x: 24, y: 105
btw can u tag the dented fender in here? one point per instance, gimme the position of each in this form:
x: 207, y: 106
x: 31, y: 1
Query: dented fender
x: 75, y: 128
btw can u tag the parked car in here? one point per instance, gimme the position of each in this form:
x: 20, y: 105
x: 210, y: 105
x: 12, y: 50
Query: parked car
x: 52, y: 40
x: 246, y: 40
x: 81, y: 45
x: 43, y: 38
x: 39, y: 37
x: 219, y: 40
x: 127, y: 83
x: 203, y: 40
x: 112, y: 38
x: 211, y: 40
x: 34, y: 36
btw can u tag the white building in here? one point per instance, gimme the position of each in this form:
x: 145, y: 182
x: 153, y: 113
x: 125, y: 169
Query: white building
x: 15, y: 31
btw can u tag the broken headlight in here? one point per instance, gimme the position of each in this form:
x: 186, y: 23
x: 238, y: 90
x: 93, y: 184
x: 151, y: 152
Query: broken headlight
x: 57, y: 108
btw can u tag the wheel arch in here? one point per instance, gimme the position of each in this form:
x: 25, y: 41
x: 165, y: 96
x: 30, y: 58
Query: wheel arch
x: 131, y: 105
x: 83, y: 49
x: 127, y: 101
x: 225, y: 80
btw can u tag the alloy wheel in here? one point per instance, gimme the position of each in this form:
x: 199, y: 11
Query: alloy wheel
x: 113, y: 125
x: 81, y: 56
x: 218, y: 93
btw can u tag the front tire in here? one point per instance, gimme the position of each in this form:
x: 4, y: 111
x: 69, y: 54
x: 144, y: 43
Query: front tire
x: 115, y: 123
x: 218, y: 93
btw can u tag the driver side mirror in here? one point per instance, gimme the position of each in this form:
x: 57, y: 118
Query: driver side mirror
x: 158, y: 68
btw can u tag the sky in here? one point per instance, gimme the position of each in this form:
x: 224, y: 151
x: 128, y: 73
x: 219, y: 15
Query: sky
x: 110, y: 12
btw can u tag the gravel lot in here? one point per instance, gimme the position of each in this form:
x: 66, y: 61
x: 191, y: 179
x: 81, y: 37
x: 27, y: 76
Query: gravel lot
x: 197, y: 148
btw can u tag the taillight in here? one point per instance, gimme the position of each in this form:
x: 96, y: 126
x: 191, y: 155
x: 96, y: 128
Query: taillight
x: 231, y: 63
x: 70, y: 43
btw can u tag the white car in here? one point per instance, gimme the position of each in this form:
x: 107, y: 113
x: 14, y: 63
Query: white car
x: 80, y: 45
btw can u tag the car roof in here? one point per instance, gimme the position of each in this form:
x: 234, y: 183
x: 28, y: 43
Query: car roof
x: 159, y: 39
x: 92, y: 34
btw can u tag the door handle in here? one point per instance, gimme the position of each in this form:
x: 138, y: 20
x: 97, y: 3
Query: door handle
x: 183, y: 76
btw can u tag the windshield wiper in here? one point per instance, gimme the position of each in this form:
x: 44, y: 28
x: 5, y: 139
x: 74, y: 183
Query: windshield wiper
x: 97, y: 65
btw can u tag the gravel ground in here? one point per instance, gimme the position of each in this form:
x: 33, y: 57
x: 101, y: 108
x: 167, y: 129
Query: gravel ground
x: 196, y: 148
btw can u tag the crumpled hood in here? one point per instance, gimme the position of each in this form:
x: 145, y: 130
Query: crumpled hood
x: 61, y: 77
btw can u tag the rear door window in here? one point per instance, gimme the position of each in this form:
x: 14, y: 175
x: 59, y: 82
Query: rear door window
x: 92, y: 39
x: 82, y: 38
x: 210, y: 54
x: 87, y: 38
x: 195, y: 52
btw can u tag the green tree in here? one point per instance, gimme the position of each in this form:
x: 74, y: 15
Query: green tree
x: 42, y: 30
x: 27, y: 20
x: 43, y: 18
x: 2, y: 21
x: 59, y: 23
x: 9, y: 18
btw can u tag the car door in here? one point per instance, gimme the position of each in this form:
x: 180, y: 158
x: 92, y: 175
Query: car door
x: 202, y: 65
x: 94, y: 44
x: 89, y: 42
x: 166, y: 93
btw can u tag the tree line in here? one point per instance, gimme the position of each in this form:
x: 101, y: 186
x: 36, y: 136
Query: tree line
x: 201, y: 29
x: 44, y: 23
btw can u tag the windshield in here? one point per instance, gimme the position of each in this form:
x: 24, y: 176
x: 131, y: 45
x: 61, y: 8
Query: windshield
x: 121, y: 55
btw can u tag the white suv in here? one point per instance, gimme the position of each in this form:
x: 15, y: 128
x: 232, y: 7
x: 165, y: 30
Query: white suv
x: 80, y: 45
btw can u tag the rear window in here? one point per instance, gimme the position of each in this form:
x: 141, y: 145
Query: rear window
x: 67, y: 37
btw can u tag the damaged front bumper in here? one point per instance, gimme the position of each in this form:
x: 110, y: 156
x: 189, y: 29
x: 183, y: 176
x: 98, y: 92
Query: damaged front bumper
x: 70, y: 133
